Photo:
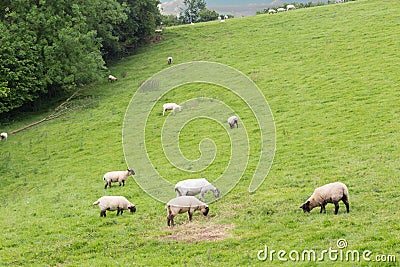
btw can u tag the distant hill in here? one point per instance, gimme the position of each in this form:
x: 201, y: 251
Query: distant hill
x: 236, y: 8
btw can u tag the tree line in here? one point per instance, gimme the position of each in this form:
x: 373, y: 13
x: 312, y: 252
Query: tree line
x: 50, y: 46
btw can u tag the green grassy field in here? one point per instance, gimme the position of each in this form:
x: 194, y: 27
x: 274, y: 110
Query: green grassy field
x: 331, y: 78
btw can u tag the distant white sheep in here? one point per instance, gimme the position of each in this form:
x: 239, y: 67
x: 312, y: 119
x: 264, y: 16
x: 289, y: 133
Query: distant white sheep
x: 184, y: 204
x: 329, y: 193
x: 112, y: 78
x: 169, y: 60
x: 226, y: 17
x: 112, y: 203
x: 192, y: 187
x: 281, y: 9
x: 171, y: 106
x: 117, y: 176
x: 290, y: 7
x: 271, y: 11
x: 232, y: 121
x: 3, y: 136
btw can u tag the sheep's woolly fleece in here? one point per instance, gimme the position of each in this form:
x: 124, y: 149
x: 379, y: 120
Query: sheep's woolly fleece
x: 191, y: 232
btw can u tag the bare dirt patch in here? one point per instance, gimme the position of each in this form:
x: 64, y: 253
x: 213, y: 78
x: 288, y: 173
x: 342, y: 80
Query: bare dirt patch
x: 191, y: 232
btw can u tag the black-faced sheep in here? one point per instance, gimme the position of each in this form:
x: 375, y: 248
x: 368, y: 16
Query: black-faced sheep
x: 232, y: 121
x: 329, y: 193
x: 117, y: 176
x: 112, y: 78
x: 3, y: 136
x: 192, y: 187
x: 271, y: 11
x: 169, y: 60
x: 184, y: 204
x: 111, y: 203
x: 171, y: 106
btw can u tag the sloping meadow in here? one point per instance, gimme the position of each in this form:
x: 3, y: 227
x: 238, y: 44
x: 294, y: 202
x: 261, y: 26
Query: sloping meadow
x: 330, y: 77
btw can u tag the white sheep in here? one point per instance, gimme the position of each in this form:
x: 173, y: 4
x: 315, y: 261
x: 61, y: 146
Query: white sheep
x: 111, y: 203
x: 289, y: 7
x: 3, y: 136
x: 271, y: 11
x: 112, y: 78
x: 117, y: 176
x: 169, y: 60
x: 192, y: 187
x: 171, y: 106
x: 281, y: 9
x: 184, y: 204
x: 329, y: 193
x: 232, y: 121
x: 226, y: 17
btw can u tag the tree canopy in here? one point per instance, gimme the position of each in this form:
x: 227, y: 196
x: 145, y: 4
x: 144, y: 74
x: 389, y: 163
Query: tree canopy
x: 47, y: 46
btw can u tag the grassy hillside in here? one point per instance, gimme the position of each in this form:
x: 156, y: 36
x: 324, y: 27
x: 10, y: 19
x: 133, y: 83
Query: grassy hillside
x: 331, y: 78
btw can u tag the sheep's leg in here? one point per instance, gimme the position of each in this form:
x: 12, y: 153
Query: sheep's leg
x: 336, y: 207
x: 202, y: 194
x: 105, y: 187
x: 103, y: 213
x: 190, y: 215
x: 170, y: 220
x: 323, y: 208
x: 123, y: 183
x: 346, y: 202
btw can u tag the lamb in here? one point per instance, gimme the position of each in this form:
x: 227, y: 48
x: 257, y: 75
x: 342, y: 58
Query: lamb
x: 271, y: 11
x: 181, y: 205
x: 232, y: 121
x: 192, y: 187
x: 112, y: 78
x: 281, y: 9
x: 117, y: 176
x: 329, y: 193
x: 117, y: 203
x: 171, y: 106
x: 169, y: 60
x: 289, y: 7
x: 3, y: 136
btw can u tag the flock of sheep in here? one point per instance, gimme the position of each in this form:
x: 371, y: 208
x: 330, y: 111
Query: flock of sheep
x: 281, y: 9
x: 186, y: 190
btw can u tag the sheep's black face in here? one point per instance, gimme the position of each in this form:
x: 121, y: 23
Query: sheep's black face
x: 306, y: 207
x: 132, y: 209
x: 205, y: 211
x: 132, y: 172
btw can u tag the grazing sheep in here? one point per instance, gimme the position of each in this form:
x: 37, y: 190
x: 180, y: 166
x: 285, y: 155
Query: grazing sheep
x: 169, y: 60
x: 117, y: 203
x: 117, y: 176
x: 112, y: 78
x: 289, y: 7
x: 182, y: 204
x: 271, y: 11
x: 192, y: 187
x: 281, y: 9
x: 3, y: 136
x: 171, y: 106
x: 329, y: 193
x: 232, y: 121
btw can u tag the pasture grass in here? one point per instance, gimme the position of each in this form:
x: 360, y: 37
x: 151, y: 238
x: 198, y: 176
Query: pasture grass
x: 330, y: 75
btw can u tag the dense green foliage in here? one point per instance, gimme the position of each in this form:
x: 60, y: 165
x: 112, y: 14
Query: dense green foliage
x: 50, y: 46
x: 331, y: 77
